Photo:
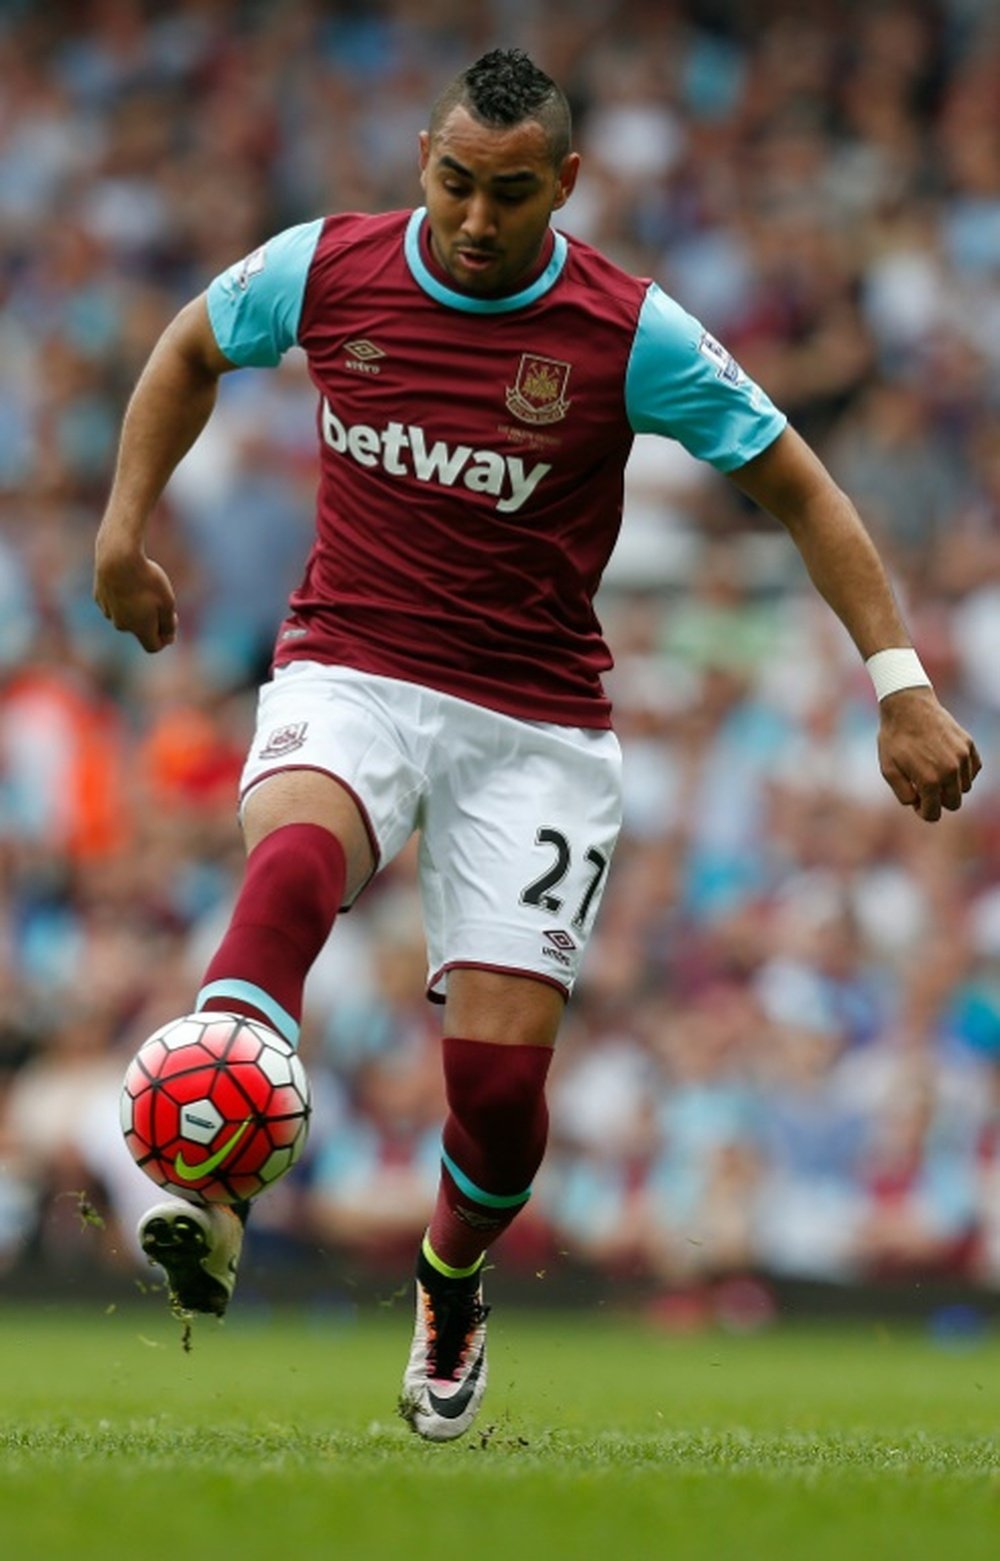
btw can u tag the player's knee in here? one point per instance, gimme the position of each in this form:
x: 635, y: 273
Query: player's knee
x: 295, y: 880
x: 494, y: 1089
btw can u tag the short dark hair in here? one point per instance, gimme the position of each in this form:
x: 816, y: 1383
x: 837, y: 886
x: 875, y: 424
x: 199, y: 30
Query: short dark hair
x: 506, y: 87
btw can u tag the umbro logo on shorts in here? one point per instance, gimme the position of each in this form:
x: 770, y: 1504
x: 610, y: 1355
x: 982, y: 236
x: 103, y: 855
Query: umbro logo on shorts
x: 284, y: 740
x: 559, y: 946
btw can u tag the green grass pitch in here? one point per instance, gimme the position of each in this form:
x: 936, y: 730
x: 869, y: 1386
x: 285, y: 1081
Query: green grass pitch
x: 275, y: 1436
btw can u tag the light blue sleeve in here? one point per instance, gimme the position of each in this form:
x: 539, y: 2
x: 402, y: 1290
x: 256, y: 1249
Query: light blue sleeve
x: 255, y: 306
x: 682, y: 383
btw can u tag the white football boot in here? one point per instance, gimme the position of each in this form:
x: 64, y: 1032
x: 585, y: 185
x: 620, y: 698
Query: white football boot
x: 445, y: 1378
x: 198, y: 1247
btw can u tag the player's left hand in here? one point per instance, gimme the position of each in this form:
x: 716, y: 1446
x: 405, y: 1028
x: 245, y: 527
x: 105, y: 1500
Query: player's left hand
x: 927, y: 759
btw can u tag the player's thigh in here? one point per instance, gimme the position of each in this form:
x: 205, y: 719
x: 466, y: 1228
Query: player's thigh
x: 518, y: 837
x: 311, y: 797
x: 511, y: 1010
x: 330, y: 749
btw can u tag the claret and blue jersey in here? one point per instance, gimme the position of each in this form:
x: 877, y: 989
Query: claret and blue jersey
x: 473, y: 450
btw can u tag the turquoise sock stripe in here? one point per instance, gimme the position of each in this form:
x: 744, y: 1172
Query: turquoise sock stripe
x: 273, y: 1012
x: 489, y: 1200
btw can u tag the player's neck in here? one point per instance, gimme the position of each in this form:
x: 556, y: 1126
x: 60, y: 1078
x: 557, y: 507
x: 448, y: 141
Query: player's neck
x: 440, y: 274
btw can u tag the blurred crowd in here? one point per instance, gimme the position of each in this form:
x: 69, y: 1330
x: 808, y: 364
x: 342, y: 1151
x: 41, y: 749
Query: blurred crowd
x: 784, y: 1055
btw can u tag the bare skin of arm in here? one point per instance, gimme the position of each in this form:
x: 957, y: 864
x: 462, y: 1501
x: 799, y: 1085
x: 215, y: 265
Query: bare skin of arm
x: 925, y: 756
x: 170, y: 406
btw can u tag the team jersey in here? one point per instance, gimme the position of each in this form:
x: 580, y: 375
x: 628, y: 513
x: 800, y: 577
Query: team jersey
x: 473, y: 450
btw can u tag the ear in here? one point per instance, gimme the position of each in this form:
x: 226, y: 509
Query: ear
x: 424, y: 141
x: 566, y: 180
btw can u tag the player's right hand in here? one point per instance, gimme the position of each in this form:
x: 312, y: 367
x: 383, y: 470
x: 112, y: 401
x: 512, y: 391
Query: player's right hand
x: 136, y: 595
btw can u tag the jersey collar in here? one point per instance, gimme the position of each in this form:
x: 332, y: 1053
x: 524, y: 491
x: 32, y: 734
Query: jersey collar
x: 453, y: 299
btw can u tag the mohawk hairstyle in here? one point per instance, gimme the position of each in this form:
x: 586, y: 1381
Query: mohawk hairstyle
x: 506, y: 87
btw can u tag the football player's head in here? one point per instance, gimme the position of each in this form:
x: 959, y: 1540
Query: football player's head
x: 495, y: 162
x: 504, y: 88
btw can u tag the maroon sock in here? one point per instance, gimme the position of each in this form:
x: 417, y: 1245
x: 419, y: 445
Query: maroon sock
x: 292, y: 890
x: 493, y: 1143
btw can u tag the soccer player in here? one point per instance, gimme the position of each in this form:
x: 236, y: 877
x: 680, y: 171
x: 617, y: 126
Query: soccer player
x: 480, y: 377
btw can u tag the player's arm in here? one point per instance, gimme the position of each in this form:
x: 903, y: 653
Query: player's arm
x: 169, y: 407
x: 925, y: 756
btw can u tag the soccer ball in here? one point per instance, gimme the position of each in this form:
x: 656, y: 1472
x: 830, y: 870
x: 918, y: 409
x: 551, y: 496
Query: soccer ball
x: 215, y: 1107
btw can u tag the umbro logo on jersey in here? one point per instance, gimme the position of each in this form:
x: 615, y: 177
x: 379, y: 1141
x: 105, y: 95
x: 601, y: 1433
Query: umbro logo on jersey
x: 363, y: 356
x: 402, y: 450
x: 364, y: 350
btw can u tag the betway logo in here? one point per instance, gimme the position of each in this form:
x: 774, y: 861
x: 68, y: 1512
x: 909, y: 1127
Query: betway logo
x: 402, y: 451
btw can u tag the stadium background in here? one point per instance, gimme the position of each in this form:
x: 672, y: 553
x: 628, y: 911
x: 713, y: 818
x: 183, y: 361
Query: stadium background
x: 781, y: 1066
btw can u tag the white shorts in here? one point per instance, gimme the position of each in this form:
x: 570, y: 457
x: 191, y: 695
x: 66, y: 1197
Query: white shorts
x: 517, y: 819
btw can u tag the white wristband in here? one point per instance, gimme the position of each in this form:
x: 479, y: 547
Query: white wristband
x: 891, y: 670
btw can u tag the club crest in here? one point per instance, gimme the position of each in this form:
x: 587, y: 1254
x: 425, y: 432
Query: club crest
x: 538, y: 394
x: 284, y: 740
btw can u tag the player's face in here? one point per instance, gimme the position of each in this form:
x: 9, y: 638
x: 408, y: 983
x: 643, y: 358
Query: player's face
x: 490, y: 194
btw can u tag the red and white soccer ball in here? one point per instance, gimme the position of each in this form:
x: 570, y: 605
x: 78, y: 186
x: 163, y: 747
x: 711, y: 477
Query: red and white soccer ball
x: 215, y: 1107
